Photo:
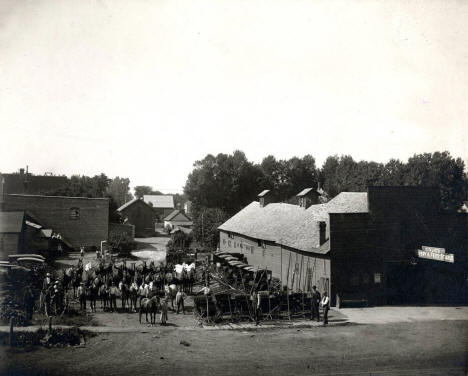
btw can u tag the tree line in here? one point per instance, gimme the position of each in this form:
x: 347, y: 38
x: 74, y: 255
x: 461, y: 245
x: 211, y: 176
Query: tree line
x: 219, y: 186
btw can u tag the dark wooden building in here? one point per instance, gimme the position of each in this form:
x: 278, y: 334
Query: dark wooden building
x: 139, y: 214
x: 12, y: 225
x: 389, y: 245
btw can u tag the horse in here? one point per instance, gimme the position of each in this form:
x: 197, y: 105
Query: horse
x: 104, y: 294
x: 93, y: 295
x: 149, y: 305
x: 171, y: 292
x: 124, y: 293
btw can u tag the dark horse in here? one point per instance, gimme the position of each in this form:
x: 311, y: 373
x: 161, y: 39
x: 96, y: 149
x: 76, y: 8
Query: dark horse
x: 149, y: 305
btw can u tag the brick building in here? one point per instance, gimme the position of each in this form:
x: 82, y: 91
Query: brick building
x: 139, y: 214
x: 80, y: 221
x: 389, y: 245
x: 23, y: 182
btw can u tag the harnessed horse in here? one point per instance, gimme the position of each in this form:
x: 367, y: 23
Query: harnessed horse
x: 149, y: 305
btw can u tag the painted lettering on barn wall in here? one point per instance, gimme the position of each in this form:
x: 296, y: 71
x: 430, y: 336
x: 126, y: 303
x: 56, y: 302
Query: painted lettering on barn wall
x: 235, y: 244
x: 437, y: 254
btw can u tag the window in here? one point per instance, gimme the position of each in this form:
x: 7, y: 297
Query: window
x: 231, y: 235
x: 74, y: 213
x: 259, y: 242
x: 377, y: 278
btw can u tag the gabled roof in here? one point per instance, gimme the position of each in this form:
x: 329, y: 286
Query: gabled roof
x: 291, y: 225
x: 160, y: 201
x: 349, y: 202
x: 304, y: 192
x: 263, y: 193
x: 175, y: 213
x: 130, y: 203
x: 186, y: 231
x: 11, y: 222
x: 127, y: 204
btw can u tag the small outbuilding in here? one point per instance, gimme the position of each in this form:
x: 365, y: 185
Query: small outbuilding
x: 177, y: 219
x: 139, y: 214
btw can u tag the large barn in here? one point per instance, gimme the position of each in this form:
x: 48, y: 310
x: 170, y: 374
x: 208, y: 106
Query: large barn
x: 389, y: 245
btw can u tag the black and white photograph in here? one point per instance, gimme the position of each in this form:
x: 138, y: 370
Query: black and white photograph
x: 233, y: 187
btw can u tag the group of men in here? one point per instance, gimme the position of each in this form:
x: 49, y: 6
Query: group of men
x: 54, y: 296
x: 317, y: 302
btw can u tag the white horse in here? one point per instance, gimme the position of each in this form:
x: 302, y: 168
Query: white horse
x: 171, y: 292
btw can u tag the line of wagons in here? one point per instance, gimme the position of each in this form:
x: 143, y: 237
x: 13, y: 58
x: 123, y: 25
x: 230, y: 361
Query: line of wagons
x: 235, y: 306
x: 24, y: 261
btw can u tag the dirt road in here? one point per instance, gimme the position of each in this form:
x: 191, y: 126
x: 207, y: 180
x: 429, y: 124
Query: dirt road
x: 421, y: 348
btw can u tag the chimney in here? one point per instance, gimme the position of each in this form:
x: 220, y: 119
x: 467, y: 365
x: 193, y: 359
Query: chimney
x: 322, y: 232
x: 21, y: 171
x: 307, y: 197
x: 265, y: 197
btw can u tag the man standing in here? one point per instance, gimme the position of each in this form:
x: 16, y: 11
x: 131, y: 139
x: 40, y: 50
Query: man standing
x: 46, y: 284
x: 82, y: 296
x: 163, y: 317
x: 326, y: 306
x: 315, y: 303
x: 180, y: 296
x: 114, y: 291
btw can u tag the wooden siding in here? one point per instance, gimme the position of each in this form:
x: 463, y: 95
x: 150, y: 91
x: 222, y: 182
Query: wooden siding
x: 305, y: 269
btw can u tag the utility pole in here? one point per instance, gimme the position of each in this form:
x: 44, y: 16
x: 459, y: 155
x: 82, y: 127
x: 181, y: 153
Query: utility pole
x: 203, y: 230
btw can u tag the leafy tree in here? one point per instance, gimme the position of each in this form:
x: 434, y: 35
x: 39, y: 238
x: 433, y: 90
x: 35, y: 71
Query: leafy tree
x: 141, y: 190
x: 439, y: 170
x: 206, y: 222
x: 119, y: 190
x: 119, y: 240
x: 228, y: 182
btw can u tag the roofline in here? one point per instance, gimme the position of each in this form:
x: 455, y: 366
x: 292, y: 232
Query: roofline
x: 279, y: 244
x: 65, y: 197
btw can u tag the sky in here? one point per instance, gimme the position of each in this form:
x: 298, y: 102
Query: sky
x: 143, y: 89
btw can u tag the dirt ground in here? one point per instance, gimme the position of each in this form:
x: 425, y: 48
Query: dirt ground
x: 421, y: 348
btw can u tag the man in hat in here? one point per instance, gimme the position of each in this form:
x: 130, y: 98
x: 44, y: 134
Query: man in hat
x: 47, y: 282
x: 113, y: 296
x: 315, y: 302
x: 325, y: 303
x: 163, y: 316
x: 180, y: 296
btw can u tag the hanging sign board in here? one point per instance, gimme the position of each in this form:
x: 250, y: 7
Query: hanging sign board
x: 438, y: 254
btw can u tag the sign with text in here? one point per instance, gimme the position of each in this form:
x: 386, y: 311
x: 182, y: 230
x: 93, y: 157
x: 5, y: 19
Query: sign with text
x: 434, y: 253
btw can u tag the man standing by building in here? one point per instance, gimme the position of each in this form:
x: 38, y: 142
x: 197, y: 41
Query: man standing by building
x: 326, y: 306
x: 316, y: 298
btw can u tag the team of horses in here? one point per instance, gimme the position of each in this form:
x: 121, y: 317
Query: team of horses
x: 139, y: 289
